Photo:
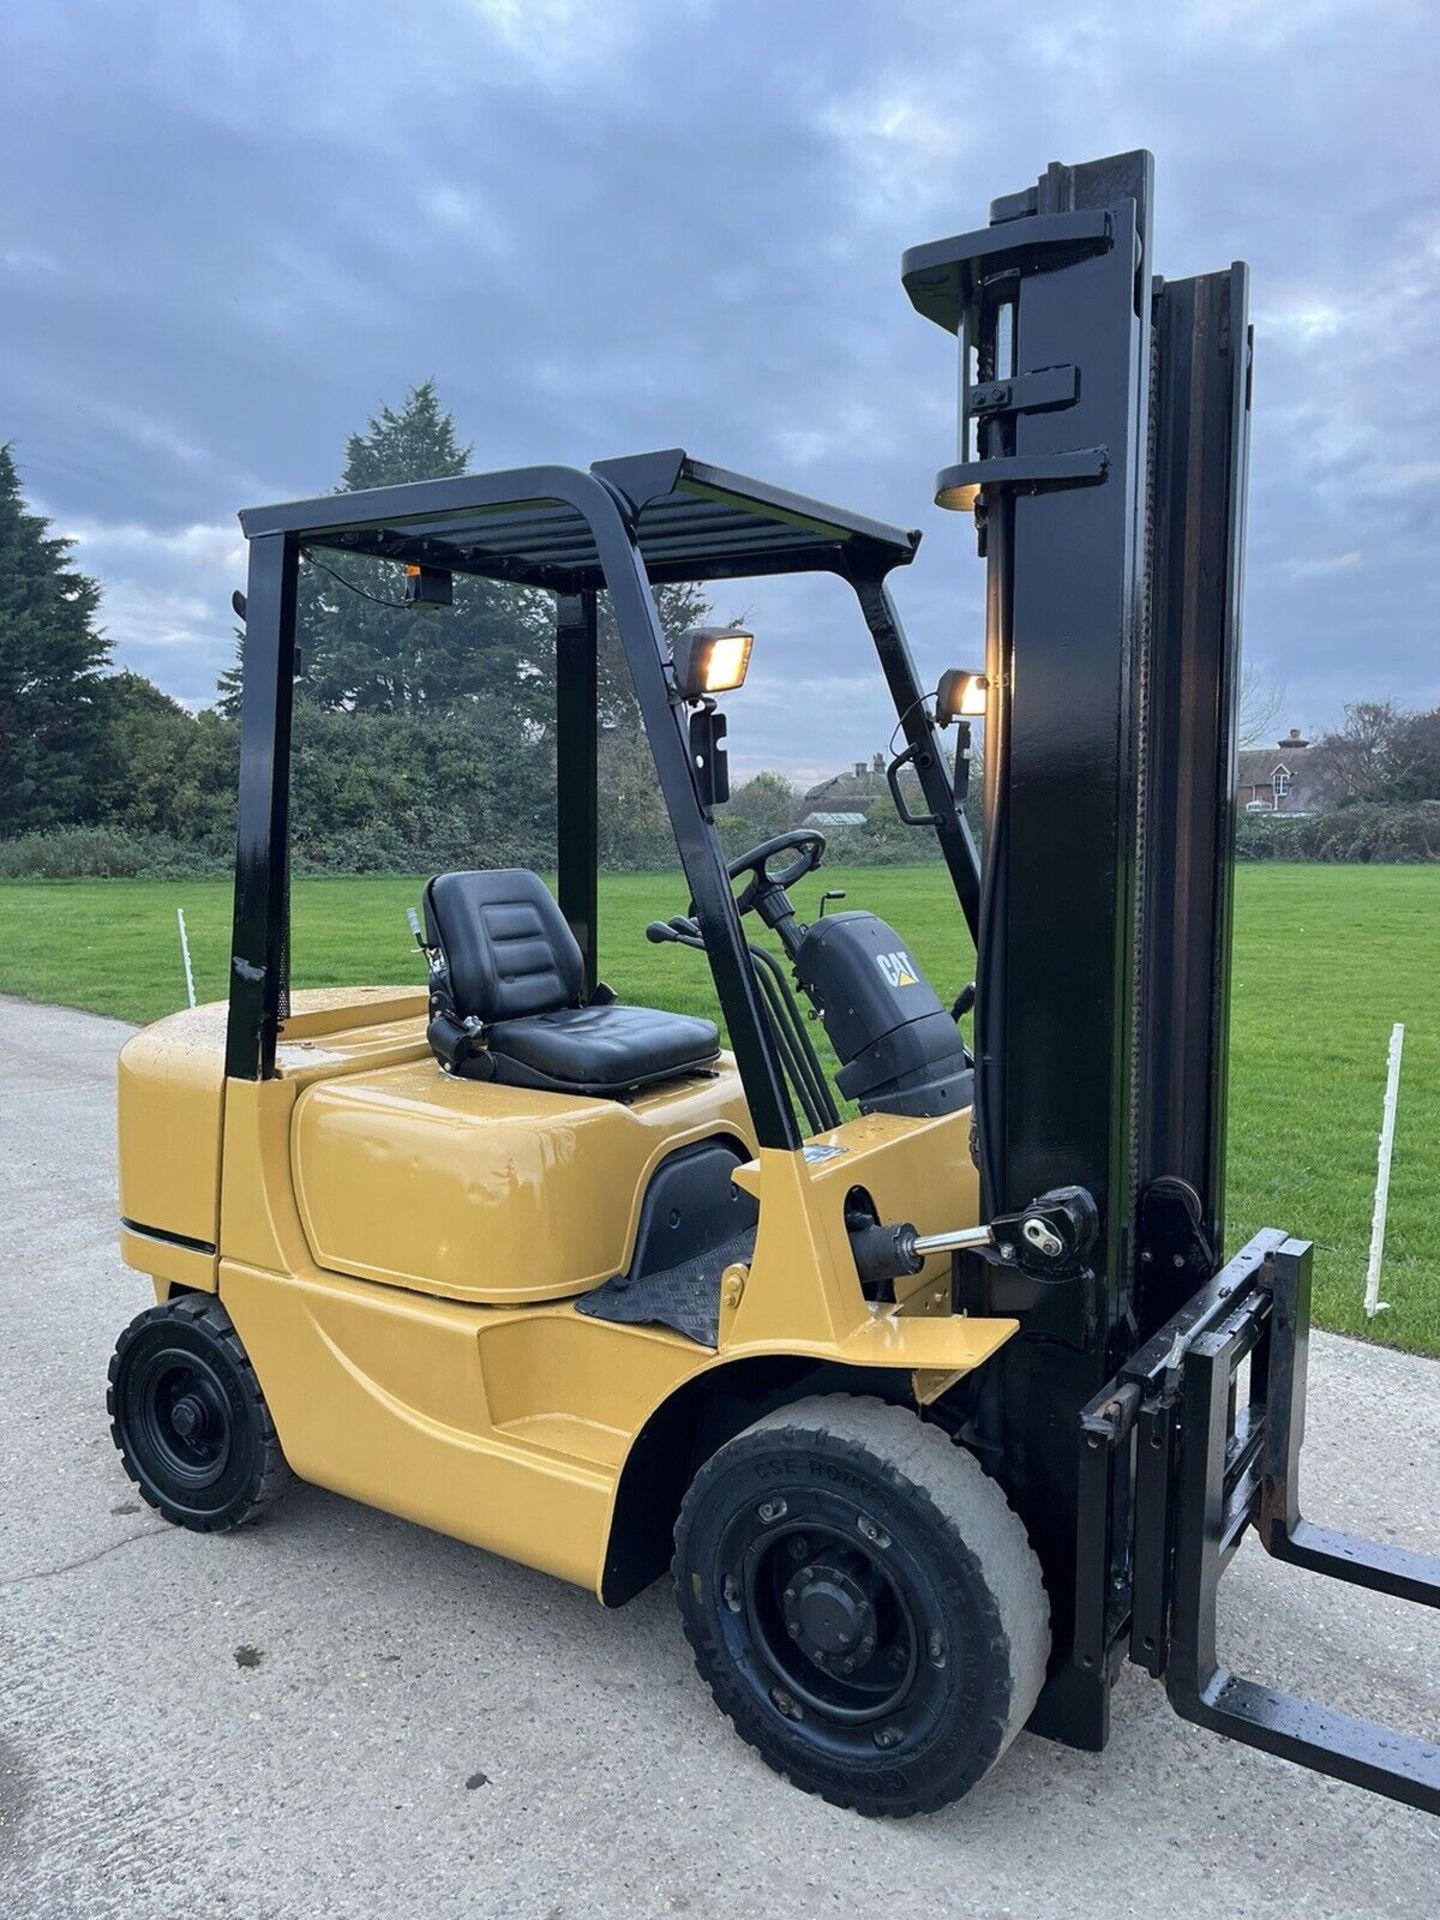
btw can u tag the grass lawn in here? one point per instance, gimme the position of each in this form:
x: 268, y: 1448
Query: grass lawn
x: 1326, y: 959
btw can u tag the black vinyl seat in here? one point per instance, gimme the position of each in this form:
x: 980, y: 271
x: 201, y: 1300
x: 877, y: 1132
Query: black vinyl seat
x: 507, y: 997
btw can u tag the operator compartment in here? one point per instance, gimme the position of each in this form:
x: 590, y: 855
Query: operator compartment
x: 475, y: 1190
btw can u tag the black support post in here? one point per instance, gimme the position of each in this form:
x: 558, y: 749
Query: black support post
x: 952, y: 830
x: 756, y: 1051
x: 1201, y: 409
x: 576, y: 803
x: 262, y: 906
x: 1057, y: 285
x: 1109, y: 413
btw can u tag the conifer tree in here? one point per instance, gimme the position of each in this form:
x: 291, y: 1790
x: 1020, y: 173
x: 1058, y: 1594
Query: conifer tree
x: 363, y: 652
x: 51, y: 656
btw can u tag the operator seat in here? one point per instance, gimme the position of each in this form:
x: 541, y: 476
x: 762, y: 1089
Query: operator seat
x: 507, y: 997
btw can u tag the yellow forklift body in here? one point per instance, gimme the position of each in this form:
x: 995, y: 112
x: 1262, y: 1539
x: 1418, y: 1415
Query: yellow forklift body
x: 477, y: 1191
x: 436, y: 1378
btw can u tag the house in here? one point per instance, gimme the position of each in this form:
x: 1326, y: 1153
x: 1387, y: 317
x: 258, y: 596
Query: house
x: 845, y: 799
x: 1279, y: 779
x: 851, y: 791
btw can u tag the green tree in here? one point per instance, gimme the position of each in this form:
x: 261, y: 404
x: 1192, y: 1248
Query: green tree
x: 767, y: 803
x: 482, y: 782
x: 51, y: 656
x: 364, y: 652
x: 146, y: 741
x: 634, y: 825
x: 417, y: 443
x: 1357, y: 760
x: 1417, y: 757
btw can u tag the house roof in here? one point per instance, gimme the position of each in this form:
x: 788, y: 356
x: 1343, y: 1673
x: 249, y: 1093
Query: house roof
x: 834, y: 819
x: 851, y: 787
x: 1257, y: 765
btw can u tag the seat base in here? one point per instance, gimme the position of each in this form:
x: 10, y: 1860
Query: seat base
x: 599, y: 1050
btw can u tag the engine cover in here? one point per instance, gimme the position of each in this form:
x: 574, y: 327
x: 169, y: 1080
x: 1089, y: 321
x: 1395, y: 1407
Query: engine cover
x: 900, y: 1052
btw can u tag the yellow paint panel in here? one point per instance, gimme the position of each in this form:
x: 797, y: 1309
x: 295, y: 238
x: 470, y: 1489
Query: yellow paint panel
x: 170, y: 1086
x: 477, y: 1191
x: 170, y: 1266
x: 380, y: 1395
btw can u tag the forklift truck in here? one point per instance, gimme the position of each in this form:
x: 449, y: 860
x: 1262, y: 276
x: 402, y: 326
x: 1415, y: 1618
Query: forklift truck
x: 939, y: 1397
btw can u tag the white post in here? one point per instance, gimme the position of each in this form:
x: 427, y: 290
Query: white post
x: 185, y: 956
x: 1373, y: 1303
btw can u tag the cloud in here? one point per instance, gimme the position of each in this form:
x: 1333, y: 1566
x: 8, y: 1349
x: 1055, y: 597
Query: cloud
x: 609, y: 227
x: 165, y: 597
x: 25, y: 262
x: 1311, y: 567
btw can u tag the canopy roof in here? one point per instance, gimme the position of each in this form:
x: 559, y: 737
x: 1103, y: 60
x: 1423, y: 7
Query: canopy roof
x: 691, y: 521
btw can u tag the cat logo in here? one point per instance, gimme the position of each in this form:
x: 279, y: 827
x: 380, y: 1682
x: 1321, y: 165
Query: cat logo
x: 897, y: 969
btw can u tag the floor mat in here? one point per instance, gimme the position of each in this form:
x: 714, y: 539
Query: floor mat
x: 685, y: 1298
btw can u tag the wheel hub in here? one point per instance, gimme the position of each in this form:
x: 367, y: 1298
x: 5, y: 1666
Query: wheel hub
x: 829, y: 1616
x: 188, y: 1417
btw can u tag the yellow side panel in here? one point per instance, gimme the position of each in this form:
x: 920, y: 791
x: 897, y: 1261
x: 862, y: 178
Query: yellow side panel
x: 503, y: 1429
x: 803, y: 1275
x: 171, y: 1089
x: 476, y: 1191
x: 169, y: 1265
x: 171, y: 1098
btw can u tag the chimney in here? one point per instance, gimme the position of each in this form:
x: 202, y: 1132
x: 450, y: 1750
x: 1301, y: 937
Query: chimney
x: 859, y: 769
x: 1293, y: 742
x: 879, y: 763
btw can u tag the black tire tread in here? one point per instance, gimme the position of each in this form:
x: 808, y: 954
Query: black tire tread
x: 921, y: 1459
x: 274, y: 1474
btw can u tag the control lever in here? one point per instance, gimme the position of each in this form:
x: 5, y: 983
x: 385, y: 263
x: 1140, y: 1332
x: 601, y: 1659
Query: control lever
x: 683, y: 932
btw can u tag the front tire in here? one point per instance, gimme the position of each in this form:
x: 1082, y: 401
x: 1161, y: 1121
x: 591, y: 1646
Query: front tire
x: 189, y: 1419
x: 863, y: 1602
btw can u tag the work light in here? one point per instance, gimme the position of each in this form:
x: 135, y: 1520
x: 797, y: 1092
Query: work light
x: 711, y: 660
x: 960, y: 695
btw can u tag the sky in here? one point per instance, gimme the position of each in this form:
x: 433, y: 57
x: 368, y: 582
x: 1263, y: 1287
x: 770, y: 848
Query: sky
x: 231, y: 233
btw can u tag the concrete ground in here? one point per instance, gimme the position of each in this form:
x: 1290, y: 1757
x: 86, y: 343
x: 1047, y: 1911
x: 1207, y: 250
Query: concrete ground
x: 334, y: 1713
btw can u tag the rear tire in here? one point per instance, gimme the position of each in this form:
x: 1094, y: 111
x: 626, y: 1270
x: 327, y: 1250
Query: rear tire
x: 189, y: 1419
x: 863, y: 1602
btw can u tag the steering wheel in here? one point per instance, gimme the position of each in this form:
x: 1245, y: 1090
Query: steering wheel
x: 809, y: 847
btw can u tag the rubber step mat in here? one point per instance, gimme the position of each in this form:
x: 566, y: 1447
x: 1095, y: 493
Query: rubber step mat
x: 685, y: 1298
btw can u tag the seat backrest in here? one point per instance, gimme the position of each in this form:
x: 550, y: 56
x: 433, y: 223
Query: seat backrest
x: 508, y: 949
